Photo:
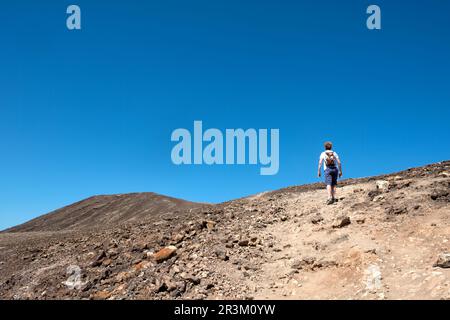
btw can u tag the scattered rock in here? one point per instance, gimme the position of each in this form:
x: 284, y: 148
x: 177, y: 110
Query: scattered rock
x: 106, y: 262
x: 164, y: 254
x: 177, y: 238
x: 193, y: 279
x: 378, y: 198
x: 139, y: 247
x: 101, y: 295
x: 373, y: 193
x: 341, y: 222
x: 99, y: 259
x: 243, y: 243
x: 360, y: 220
x: 397, y: 210
x: 440, y: 195
x: 316, y: 219
x: 222, y: 254
x: 382, y: 185
x: 443, y: 261
x: 161, y: 287
x: 210, y: 225
x: 324, y: 263
x: 302, y: 263
x: 444, y: 174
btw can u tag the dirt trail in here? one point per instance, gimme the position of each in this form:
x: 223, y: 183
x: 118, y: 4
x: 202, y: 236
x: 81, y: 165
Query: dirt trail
x: 370, y: 258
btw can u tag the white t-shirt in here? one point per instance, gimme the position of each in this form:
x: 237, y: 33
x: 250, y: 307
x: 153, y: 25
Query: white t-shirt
x: 323, y: 156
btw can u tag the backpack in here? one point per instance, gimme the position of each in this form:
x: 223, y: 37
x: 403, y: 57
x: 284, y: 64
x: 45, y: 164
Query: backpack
x: 329, y: 158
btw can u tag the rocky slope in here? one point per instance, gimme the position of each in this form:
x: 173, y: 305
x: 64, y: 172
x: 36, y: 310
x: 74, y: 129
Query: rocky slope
x: 107, y: 211
x: 386, y: 238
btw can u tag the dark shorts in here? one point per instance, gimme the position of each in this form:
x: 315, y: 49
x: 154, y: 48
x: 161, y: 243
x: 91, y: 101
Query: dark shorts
x: 331, y: 176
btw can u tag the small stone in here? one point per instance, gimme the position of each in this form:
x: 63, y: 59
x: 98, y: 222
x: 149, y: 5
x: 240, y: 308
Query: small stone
x: 341, y: 222
x: 398, y: 210
x: 171, y: 286
x: 106, y: 262
x: 243, y: 243
x: 177, y: 238
x: 439, y: 194
x: 164, y: 254
x: 221, y: 254
x: 112, y: 253
x: 139, y: 247
x: 98, y: 261
x: 162, y: 287
x: 382, y: 185
x: 302, y: 263
x: 101, y: 295
x: 210, y: 225
x: 443, y: 261
x: 297, y: 264
x: 373, y: 193
x: 316, y: 219
x: 195, y: 280
x: 360, y: 220
x: 378, y: 198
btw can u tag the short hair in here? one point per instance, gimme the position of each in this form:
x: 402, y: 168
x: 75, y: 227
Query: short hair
x: 328, y: 145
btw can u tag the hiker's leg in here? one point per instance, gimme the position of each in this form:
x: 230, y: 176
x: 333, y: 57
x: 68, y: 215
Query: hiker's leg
x: 333, y: 191
x: 329, y: 183
x: 330, y: 191
x: 334, y: 175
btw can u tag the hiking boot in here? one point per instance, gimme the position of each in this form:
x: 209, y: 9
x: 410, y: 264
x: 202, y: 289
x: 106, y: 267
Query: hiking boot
x: 329, y: 201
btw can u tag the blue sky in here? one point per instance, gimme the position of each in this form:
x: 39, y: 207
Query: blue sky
x: 91, y: 112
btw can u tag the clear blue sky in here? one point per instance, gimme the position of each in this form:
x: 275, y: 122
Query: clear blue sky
x: 91, y: 112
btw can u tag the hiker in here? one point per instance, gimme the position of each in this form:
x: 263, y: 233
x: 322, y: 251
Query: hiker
x: 331, y: 162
